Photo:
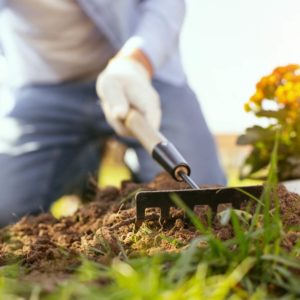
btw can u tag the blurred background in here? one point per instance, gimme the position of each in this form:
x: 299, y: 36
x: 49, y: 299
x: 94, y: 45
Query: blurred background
x: 227, y: 47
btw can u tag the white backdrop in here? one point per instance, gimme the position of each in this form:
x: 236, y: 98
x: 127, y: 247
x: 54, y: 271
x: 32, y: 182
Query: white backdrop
x: 228, y: 45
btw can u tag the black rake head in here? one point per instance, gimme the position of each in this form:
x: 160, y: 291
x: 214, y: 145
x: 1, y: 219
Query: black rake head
x: 191, y: 198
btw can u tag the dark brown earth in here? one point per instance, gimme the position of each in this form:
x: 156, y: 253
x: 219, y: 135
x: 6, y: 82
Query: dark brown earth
x: 104, y: 229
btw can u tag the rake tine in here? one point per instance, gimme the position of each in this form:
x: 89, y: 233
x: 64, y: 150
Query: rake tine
x: 191, y: 198
x: 214, y: 210
x: 190, y: 206
x: 140, y: 212
x: 164, y: 212
x: 214, y: 207
x: 236, y: 204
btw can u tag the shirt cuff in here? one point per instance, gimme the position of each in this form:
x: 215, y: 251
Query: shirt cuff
x: 157, y: 32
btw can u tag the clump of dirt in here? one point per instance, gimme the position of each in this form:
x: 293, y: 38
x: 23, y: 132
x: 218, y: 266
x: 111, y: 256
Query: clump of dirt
x: 105, y: 228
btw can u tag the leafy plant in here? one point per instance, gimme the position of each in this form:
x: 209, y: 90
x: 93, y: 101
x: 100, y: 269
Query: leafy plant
x: 277, y: 98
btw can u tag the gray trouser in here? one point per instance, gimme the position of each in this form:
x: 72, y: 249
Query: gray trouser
x: 51, y: 138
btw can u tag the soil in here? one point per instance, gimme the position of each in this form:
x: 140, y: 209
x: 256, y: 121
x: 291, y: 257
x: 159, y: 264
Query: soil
x: 105, y: 228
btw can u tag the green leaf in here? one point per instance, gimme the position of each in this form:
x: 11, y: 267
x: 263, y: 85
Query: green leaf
x: 280, y: 114
x: 257, y: 134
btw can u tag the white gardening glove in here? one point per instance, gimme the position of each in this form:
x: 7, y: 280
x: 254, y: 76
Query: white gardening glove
x: 123, y: 84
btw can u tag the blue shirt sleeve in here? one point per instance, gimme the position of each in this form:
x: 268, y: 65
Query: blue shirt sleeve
x: 158, y: 29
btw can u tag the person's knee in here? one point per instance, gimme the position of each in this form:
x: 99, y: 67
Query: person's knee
x: 9, y: 216
x: 18, y: 202
x: 21, y: 188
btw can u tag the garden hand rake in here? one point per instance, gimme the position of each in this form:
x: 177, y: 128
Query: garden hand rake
x: 165, y: 153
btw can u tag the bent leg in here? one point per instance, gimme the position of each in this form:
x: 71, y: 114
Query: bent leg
x: 48, y: 147
x: 184, y: 125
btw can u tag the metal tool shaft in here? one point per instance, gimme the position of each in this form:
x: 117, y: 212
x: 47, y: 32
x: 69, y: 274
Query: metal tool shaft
x: 162, y: 150
x: 186, y: 178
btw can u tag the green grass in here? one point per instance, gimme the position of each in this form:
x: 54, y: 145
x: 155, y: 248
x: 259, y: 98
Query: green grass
x: 252, y: 265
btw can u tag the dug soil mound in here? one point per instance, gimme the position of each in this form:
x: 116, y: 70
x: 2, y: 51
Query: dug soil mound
x: 105, y: 228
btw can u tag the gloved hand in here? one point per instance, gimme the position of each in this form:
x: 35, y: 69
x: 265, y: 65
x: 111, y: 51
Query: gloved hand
x: 123, y: 84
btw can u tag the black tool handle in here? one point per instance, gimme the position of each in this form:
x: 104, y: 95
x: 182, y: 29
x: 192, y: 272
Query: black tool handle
x: 157, y: 145
x: 171, y: 160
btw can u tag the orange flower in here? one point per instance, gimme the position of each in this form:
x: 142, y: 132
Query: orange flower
x: 282, y: 70
x: 257, y: 97
x: 281, y: 86
x: 274, y: 79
